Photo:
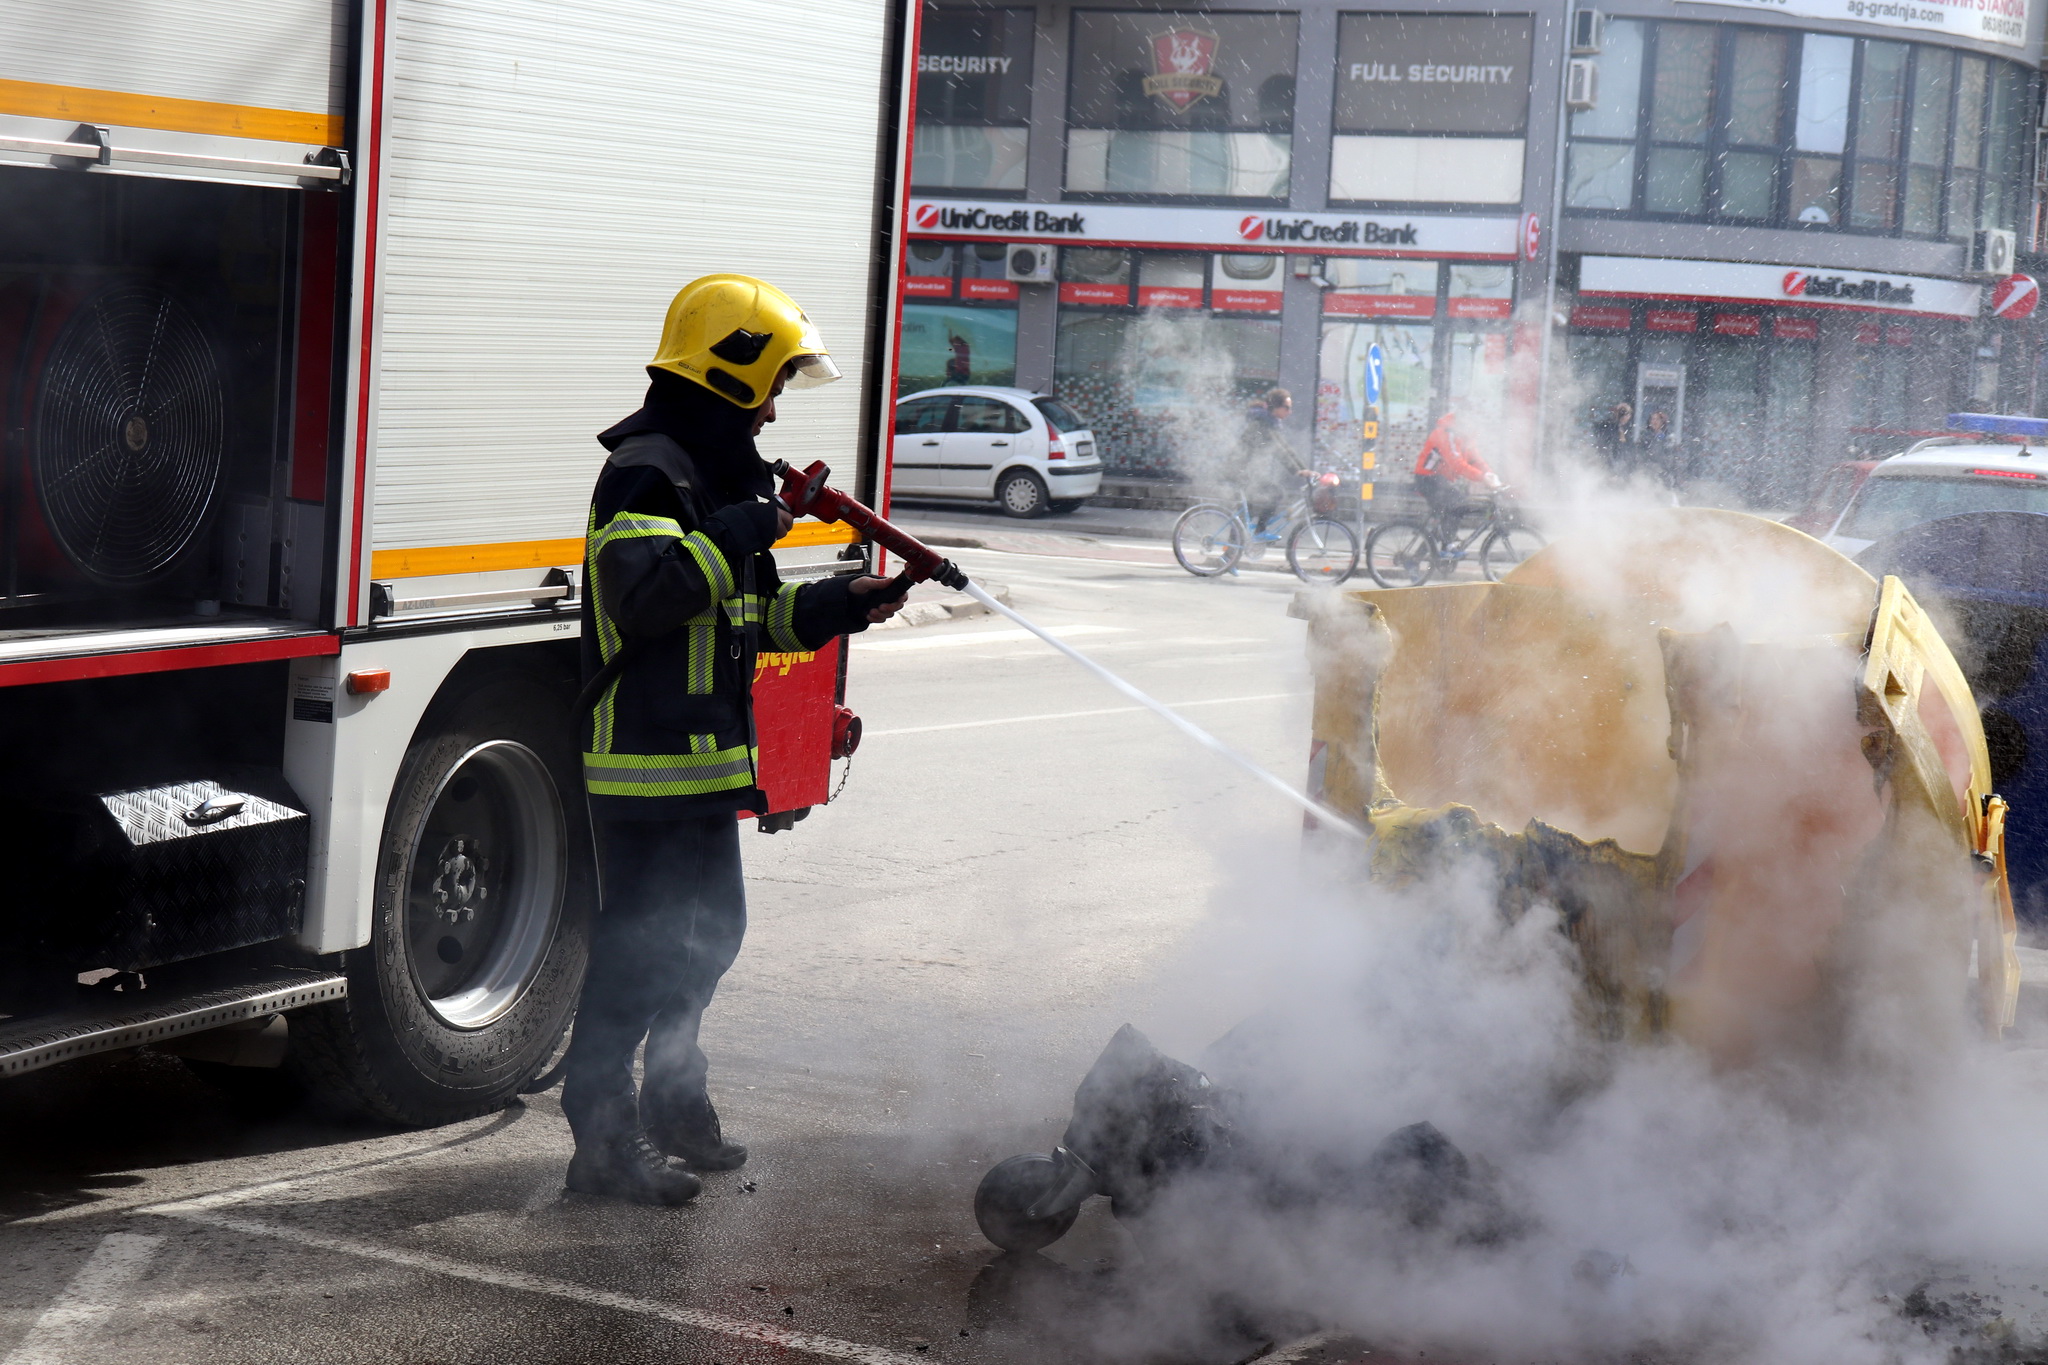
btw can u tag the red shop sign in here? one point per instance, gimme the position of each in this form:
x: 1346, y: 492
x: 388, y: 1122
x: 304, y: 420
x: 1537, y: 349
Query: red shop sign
x: 928, y: 286
x: 1868, y: 334
x: 1600, y: 316
x: 1245, y: 300
x: 1071, y: 292
x: 1738, y: 325
x: 1671, y: 320
x: 1494, y: 308
x: 1380, y: 305
x: 1899, y: 335
x: 1795, y: 329
x: 1168, y: 296
x: 988, y: 289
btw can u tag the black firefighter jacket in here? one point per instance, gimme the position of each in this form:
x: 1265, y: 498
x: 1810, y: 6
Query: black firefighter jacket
x: 680, y: 592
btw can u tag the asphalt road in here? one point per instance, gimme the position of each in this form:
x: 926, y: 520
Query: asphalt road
x: 1020, y: 863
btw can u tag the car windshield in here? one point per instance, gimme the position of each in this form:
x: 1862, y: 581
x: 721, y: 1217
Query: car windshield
x: 1062, y: 417
x: 1893, y: 503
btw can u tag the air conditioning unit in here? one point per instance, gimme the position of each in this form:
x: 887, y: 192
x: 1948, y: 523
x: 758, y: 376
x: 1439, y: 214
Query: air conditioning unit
x: 1581, y: 83
x: 1586, y: 26
x: 1994, y: 251
x: 1028, y: 263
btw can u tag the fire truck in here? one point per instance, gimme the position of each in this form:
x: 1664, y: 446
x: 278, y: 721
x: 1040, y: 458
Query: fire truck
x: 309, y: 313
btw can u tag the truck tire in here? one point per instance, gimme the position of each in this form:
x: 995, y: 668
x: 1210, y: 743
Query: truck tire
x: 481, y: 925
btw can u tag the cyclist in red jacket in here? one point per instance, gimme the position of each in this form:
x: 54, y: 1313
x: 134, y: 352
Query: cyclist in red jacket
x: 1445, y: 461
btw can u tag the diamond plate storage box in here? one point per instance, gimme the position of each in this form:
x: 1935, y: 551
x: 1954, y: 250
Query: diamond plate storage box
x: 151, y: 875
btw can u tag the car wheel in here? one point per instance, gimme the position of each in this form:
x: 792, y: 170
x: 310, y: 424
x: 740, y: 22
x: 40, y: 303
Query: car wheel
x: 1022, y: 494
x: 480, y: 925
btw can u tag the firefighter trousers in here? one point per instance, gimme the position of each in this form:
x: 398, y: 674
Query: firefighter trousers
x: 674, y: 910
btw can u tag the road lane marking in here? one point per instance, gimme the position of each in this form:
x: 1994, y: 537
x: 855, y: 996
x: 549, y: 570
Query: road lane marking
x: 980, y: 637
x: 435, y: 1264
x: 91, y: 1297
x: 1073, y: 715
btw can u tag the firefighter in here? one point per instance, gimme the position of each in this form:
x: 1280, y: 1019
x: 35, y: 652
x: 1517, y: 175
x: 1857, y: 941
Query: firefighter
x: 681, y: 591
x: 1445, y: 460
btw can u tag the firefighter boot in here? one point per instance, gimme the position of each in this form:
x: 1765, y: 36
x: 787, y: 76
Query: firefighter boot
x: 629, y: 1167
x: 689, y: 1132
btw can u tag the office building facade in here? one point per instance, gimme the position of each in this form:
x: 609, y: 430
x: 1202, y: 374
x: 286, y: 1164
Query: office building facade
x: 1773, y: 229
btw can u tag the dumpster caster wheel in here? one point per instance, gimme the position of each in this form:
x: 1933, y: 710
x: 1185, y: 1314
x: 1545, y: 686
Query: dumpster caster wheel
x: 1009, y: 1189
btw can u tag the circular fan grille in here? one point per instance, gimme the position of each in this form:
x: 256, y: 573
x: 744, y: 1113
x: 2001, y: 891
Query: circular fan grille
x: 130, y: 434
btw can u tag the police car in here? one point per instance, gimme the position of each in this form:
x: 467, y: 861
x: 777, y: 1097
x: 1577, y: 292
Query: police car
x: 1947, y: 476
x: 1030, y: 452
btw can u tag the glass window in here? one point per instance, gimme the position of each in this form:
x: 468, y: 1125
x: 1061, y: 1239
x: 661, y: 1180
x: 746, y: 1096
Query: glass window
x: 1181, y: 104
x: 1407, y: 395
x: 2003, y: 153
x: 1749, y: 185
x: 1601, y: 175
x: 1756, y: 88
x: 1095, y: 265
x: 988, y: 416
x: 1825, y: 64
x: 928, y: 259
x: 921, y: 415
x: 1889, y: 504
x: 1881, y: 102
x: 1763, y: 126
x: 1677, y: 180
x: 1159, y: 386
x: 1682, y: 90
x: 1059, y: 415
x: 973, y: 98
x: 1972, y: 77
x: 1621, y: 77
x: 956, y: 344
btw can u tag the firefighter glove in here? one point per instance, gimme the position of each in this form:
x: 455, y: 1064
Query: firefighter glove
x: 744, y: 528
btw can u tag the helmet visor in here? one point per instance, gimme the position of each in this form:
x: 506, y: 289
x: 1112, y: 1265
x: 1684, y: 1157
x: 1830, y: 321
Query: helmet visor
x: 809, y: 371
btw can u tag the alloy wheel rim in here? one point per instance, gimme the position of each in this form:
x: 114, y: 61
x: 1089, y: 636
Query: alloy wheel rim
x: 485, y: 884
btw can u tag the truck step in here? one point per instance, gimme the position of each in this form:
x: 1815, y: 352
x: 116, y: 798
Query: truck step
x: 130, y: 1020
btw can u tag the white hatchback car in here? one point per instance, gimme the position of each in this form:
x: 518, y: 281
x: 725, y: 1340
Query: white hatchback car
x: 1029, y: 452
x: 1943, y: 477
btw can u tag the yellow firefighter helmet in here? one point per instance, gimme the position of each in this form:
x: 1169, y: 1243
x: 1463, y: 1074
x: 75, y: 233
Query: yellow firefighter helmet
x: 733, y: 334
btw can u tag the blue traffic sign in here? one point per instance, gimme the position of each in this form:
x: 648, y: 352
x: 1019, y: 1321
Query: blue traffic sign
x: 1375, y: 373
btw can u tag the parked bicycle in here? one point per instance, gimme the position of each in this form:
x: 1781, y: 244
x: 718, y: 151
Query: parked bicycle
x: 1212, y: 538
x: 1407, y: 552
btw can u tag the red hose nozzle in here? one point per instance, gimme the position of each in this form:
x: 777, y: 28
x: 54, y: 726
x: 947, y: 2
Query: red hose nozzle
x: 804, y: 493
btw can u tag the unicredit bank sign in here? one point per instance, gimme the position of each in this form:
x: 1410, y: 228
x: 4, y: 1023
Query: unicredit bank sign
x: 1328, y: 234
x: 1791, y: 285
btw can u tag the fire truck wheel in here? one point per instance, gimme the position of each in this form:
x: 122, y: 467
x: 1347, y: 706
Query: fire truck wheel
x: 480, y: 930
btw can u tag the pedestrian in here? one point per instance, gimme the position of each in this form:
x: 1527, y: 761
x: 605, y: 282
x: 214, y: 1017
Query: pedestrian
x: 1268, y: 470
x: 1446, y: 460
x: 1660, y: 449
x: 959, y: 365
x: 1613, y: 436
x: 679, y: 589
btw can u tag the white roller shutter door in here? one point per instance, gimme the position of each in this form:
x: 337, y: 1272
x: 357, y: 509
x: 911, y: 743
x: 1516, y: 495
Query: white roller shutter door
x: 554, y: 173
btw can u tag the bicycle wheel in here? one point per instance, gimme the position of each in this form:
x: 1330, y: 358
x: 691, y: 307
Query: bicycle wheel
x: 1324, y: 551
x: 1400, y: 554
x: 1208, y: 540
x: 1505, y: 547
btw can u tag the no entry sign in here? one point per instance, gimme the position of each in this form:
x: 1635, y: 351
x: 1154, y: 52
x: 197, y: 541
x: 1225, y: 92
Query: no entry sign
x: 2015, y: 297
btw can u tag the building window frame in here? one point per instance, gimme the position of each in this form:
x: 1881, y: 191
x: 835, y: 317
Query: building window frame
x: 1269, y: 128
x: 2006, y: 90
